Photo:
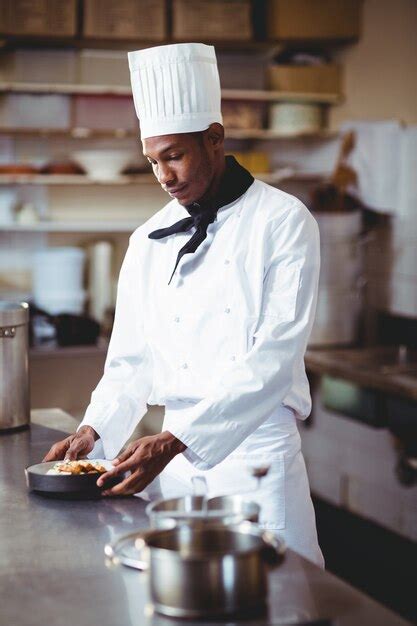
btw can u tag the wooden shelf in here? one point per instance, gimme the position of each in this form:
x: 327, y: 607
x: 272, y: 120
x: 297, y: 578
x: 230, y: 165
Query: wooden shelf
x: 289, y: 175
x: 269, y: 134
x: 71, y: 133
x: 122, y: 90
x: 278, y: 96
x: 11, y: 42
x: 65, y: 88
x: 73, y: 179
x: 75, y: 227
x: 39, y: 179
x: 120, y: 133
x: 45, y: 352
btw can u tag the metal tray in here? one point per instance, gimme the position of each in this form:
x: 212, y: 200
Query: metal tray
x: 81, y: 485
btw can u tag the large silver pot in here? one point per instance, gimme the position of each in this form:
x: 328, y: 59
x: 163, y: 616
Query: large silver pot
x: 193, y: 508
x: 337, y: 316
x: 202, y: 570
x: 14, y: 371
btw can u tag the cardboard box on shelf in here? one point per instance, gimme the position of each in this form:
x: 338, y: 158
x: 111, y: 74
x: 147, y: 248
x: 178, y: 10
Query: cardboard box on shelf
x: 34, y: 111
x: 227, y: 20
x: 243, y: 115
x: 34, y: 65
x: 255, y: 162
x: 103, y: 67
x: 125, y: 19
x: 326, y: 78
x: 39, y: 17
x: 241, y: 71
x: 307, y: 20
x: 104, y: 113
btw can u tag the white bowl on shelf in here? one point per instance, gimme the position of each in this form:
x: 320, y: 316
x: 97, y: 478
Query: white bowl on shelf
x: 103, y: 164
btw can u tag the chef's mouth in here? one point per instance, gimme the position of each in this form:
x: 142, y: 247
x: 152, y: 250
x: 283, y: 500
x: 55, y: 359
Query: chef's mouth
x: 177, y: 192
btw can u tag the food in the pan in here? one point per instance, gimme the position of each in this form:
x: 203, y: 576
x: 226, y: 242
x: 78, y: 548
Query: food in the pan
x: 83, y: 466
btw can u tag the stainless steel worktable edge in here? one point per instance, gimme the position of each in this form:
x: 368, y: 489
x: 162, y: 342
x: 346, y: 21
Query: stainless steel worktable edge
x: 52, y: 567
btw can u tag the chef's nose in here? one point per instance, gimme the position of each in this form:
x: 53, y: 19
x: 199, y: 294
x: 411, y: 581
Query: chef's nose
x: 165, y: 175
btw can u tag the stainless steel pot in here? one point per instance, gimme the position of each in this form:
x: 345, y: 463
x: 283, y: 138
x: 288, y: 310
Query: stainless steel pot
x: 180, y: 509
x: 236, y: 506
x: 204, y: 570
x: 192, y: 508
x: 14, y: 370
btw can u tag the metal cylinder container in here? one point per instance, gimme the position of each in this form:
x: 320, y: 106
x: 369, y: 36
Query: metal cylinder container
x: 340, y: 294
x: 203, y: 571
x: 196, y: 509
x: 14, y: 367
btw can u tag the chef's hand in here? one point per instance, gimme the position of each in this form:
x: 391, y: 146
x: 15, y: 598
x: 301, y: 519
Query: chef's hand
x: 145, y: 458
x: 74, y: 446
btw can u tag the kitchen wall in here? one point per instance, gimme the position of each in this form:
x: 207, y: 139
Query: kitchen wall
x: 381, y: 84
x: 380, y: 70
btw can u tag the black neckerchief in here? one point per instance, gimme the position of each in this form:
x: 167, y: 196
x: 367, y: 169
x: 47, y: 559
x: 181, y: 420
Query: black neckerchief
x: 235, y: 182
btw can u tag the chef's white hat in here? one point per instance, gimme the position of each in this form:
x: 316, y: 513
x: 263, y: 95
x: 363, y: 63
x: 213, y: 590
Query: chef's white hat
x: 176, y: 88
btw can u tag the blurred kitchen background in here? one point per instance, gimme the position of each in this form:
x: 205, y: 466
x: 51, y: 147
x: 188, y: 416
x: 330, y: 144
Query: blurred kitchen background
x: 320, y: 100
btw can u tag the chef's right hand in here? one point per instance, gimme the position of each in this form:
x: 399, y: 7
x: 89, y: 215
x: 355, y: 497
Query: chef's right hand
x: 74, y: 446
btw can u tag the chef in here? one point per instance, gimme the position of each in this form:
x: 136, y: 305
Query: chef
x: 215, y: 304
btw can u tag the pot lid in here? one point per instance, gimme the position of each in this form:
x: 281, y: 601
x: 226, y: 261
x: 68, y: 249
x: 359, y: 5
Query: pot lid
x: 14, y: 313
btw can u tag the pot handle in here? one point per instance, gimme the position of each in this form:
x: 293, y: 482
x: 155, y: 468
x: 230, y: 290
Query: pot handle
x: 7, y: 332
x: 114, y: 551
x: 273, y: 550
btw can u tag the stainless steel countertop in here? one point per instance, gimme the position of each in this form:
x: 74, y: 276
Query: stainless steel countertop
x: 52, y: 569
x: 378, y: 368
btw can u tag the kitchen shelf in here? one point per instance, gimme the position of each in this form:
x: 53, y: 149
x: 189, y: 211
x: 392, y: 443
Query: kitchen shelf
x: 69, y: 351
x: 73, y: 179
x: 289, y: 175
x: 75, y: 227
x: 277, y: 96
x: 65, y: 88
x: 10, y: 42
x: 255, y: 95
x: 269, y: 47
x: 120, y: 133
x: 72, y: 133
x: 79, y: 179
x: 270, y: 134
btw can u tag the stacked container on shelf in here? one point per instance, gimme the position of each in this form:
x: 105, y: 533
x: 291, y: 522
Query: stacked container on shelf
x: 57, y: 280
x: 340, y: 286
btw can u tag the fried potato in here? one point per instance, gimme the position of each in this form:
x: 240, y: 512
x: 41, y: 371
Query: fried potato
x: 83, y: 466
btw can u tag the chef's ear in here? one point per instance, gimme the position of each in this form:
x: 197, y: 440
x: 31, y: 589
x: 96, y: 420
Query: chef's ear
x: 215, y: 136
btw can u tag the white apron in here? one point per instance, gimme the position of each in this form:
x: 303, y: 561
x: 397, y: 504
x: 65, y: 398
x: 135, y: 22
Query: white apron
x: 284, y: 495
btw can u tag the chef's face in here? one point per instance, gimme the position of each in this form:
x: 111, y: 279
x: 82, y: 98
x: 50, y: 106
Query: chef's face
x: 185, y: 164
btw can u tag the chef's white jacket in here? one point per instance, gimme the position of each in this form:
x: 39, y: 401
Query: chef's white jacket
x: 227, y: 335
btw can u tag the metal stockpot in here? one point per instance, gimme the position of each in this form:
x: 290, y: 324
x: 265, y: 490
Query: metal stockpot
x: 202, y: 570
x: 192, y: 508
x: 180, y: 509
x: 14, y: 369
x: 235, y: 506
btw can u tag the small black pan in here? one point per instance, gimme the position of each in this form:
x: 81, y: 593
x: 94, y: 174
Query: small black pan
x: 66, y: 485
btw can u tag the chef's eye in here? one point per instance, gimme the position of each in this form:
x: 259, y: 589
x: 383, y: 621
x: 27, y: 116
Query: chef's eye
x: 151, y: 161
x: 174, y: 157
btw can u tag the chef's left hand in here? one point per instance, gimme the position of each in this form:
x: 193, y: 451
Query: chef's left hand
x: 145, y: 458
